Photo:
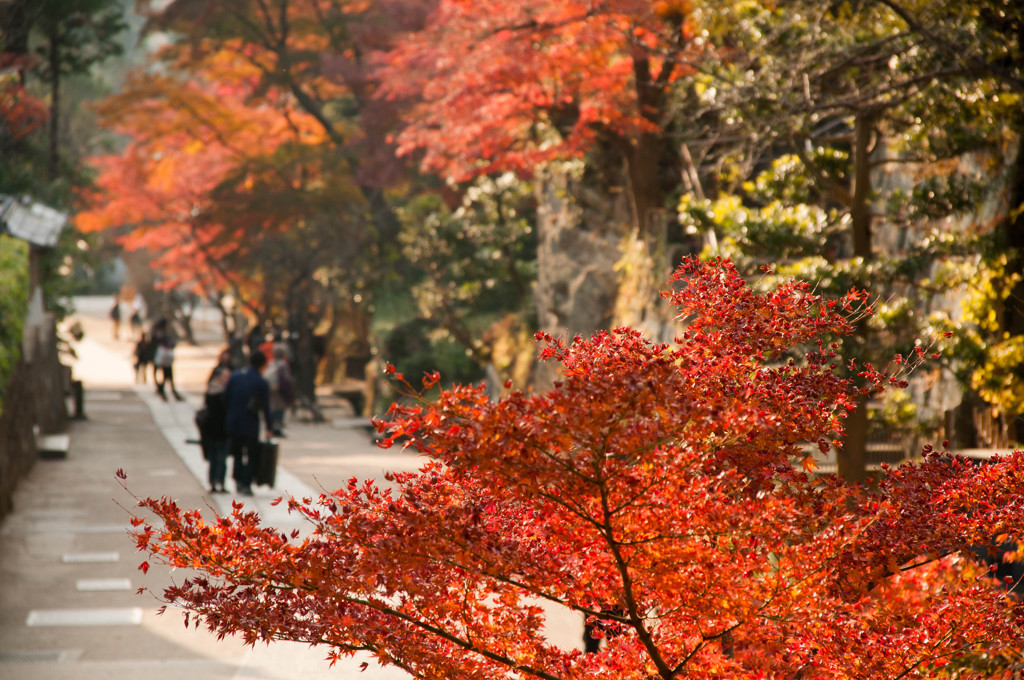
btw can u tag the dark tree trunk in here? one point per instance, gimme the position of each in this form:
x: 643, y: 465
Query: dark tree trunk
x: 860, y: 208
x: 853, y: 458
x: 54, y: 58
x: 1012, y: 238
x: 302, y: 351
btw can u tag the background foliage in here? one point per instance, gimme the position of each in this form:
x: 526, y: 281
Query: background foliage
x: 13, y: 304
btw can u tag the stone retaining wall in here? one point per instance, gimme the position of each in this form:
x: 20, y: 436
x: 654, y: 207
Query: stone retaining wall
x: 34, y: 398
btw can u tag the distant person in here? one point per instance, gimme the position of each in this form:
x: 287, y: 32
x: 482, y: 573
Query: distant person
x: 272, y: 338
x: 144, y: 351
x: 246, y: 396
x: 138, y: 315
x: 282, y: 387
x: 223, y: 361
x: 254, y: 339
x: 115, y: 316
x: 212, y: 436
x: 236, y: 352
x: 163, y: 360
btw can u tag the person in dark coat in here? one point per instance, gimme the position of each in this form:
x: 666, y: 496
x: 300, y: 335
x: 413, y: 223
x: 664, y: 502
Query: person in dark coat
x: 145, y: 351
x: 213, y: 436
x: 246, y: 396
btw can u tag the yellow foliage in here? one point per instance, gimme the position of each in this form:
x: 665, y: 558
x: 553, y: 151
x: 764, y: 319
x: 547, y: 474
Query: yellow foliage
x: 998, y: 381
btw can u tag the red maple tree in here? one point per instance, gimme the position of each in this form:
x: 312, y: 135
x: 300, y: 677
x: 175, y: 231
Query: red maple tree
x: 663, y: 490
x: 513, y: 85
x: 20, y: 113
x: 187, y: 141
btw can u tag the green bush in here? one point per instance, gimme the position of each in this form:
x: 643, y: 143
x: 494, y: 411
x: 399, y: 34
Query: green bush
x: 13, y: 304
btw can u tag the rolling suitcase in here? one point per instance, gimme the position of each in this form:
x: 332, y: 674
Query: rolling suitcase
x: 265, y: 472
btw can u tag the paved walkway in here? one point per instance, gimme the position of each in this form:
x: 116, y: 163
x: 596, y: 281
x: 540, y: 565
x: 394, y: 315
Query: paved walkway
x: 68, y: 570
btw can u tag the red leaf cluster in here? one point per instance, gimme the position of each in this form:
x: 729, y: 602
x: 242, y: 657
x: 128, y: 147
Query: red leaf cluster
x: 657, y: 488
x: 21, y: 114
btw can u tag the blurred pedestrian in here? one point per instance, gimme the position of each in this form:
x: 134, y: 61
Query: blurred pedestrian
x: 254, y: 339
x: 138, y: 315
x: 163, y: 360
x: 144, y: 352
x: 236, y: 352
x: 115, y: 316
x: 282, y: 387
x: 212, y: 435
x: 246, y: 396
x: 223, y: 361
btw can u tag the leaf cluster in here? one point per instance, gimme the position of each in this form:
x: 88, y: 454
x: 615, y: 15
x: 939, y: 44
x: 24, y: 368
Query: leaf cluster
x: 658, y: 488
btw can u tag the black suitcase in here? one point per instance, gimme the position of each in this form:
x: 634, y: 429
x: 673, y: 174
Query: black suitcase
x: 265, y: 472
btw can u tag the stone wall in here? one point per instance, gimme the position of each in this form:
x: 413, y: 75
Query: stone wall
x: 34, y: 398
x: 581, y: 222
x: 17, y: 441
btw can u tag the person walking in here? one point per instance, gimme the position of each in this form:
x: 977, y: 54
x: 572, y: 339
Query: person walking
x: 144, y: 353
x: 115, y: 316
x: 212, y: 435
x: 282, y: 387
x: 138, y: 315
x: 163, y: 360
x: 223, y: 362
x: 246, y: 396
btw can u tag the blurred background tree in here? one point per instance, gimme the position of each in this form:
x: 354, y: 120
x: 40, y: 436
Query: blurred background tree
x: 546, y: 153
x: 869, y: 144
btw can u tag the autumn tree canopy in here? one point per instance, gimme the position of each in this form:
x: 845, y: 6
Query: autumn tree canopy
x: 843, y: 142
x: 515, y: 85
x: 256, y: 162
x: 187, y: 141
x: 664, y: 490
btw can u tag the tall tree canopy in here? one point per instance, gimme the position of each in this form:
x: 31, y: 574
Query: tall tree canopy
x: 512, y: 86
x: 841, y: 141
x: 188, y: 140
x: 290, y: 209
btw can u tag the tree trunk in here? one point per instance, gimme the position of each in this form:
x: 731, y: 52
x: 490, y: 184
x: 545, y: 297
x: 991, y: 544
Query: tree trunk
x: 860, y: 208
x: 581, y: 222
x: 643, y: 265
x: 1012, y: 238
x: 601, y: 251
x: 301, y: 341
x: 853, y: 457
x: 54, y: 58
